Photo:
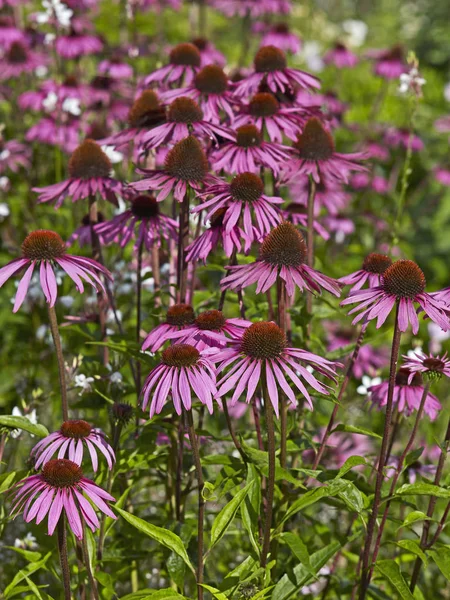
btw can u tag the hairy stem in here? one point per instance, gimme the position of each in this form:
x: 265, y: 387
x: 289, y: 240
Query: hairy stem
x: 270, y: 490
x: 310, y: 236
x: 60, y: 358
x: 138, y: 327
x: 183, y: 240
x: 63, y: 558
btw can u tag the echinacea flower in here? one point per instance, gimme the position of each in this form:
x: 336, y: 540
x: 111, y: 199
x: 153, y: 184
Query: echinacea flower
x: 89, y: 174
x: 65, y: 135
x: 243, y: 196
x: 270, y: 68
x: 183, y: 370
x: 402, y: 137
x: 265, y: 111
x: 315, y: 155
x: 184, y: 63
x: 253, y: 8
x: 70, y: 441
x: 214, y: 235
x: 408, y: 393
x: 427, y: 364
x: 281, y: 37
x: 115, y: 68
x: 209, y: 53
x: 83, y: 234
x: 143, y: 221
x: 19, y: 59
x: 47, y: 250
x: 211, y: 89
x: 61, y: 486
x: 248, y: 152
x: 263, y: 352
x: 373, y: 267
x: 403, y: 284
x: 74, y: 45
x: 185, y: 167
x: 184, y: 116
x: 329, y: 194
x: 340, y: 447
x: 297, y: 214
x: 442, y: 174
x: 282, y: 254
x: 14, y: 156
x: 209, y: 329
x: 389, y: 63
x: 178, y: 316
x: 341, y: 57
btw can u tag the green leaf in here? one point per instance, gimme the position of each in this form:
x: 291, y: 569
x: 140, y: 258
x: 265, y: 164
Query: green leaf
x: 227, y: 514
x: 413, y: 547
x: 24, y: 573
x: 413, y: 517
x: 352, y: 497
x: 314, y: 496
x: 148, y: 594
x: 390, y: 571
x: 251, y: 506
x: 352, y: 429
x: 164, y: 536
x: 6, y: 480
x: 442, y: 558
x: 24, y: 424
x: 423, y: 489
x: 33, y: 588
x: 299, y: 549
x: 29, y: 555
x: 215, y: 592
x: 353, y: 461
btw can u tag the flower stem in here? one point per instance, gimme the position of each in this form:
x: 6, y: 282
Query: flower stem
x: 397, y: 474
x: 342, y: 390
x: 60, y: 358
x: 231, y: 430
x: 431, y: 507
x: 64, y: 561
x: 202, y: 18
x: 310, y: 236
x: 183, y: 239
x: 282, y: 323
x: 87, y: 564
x: 271, y: 475
x: 382, y: 458
x: 138, y: 326
x: 201, y: 502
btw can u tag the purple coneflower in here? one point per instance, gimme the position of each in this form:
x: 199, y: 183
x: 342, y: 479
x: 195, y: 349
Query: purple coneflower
x: 271, y: 69
x: 263, y: 351
x: 243, y: 196
x: 397, y: 137
x: 341, y: 57
x: 185, y: 167
x: 211, y: 88
x: 65, y: 135
x: 297, y: 214
x: 83, y: 234
x: 19, y: 59
x: 442, y: 175
x: 115, y: 68
x: 46, y: 249
x: 178, y: 316
x: 142, y: 221
x: 389, y: 63
x: 253, y: 8
x: 403, y: 283
x: 267, y: 114
x: 340, y: 447
x: 434, y: 366
x: 216, y: 234
x: 69, y: 441
x: 61, y: 486
x: 209, y: 329
x: 9, y: 33
x: 248, y: 152
x: 89, y: 174
x: 329, y: 194
x: 315, y: 155
x: 408, y: 393
x: 184, y: 116
x: 209, y: 53
x: 373, y: 267
x: 184, y: 63
x: 281, y: 37
x: 13, y: 156
x: 282, y: 254
x: 183, y: 370
x: 76, y: 44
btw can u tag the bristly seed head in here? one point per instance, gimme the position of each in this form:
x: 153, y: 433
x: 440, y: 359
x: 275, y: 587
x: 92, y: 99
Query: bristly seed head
x: 187, y: 160
x: 248, y: 136
x: 70, y: 81
x: 146, y: 111
x: 281, y: 28
x: 180, y: 355
x: 211, y: 80
x: 263, y: 104
x: 17, y: 54
x: 86, y: 220
x: 284, y: 246
x: 180, y: 315
x: 264, y: 340
x: 217, y: 217
x: 401, y: 378
x: 145, y: 206
x: 315, y: 143
x: 247, y: 187
x: 200, y: 43
x: 376, y: 263
x: 43, y: 245
x: 121, y: 412
x: 88, y: 161
x: 184, y: 110
x: 61, y: 473
x: 434, y: 366
x: 76, y: 429
x: 212, y: 320
x: 185, y: 55
x: 404, y: 279
x: 268, y: 59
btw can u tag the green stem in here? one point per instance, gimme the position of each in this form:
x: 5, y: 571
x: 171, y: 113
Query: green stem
x: 60, y: 358
x: 270, y: 490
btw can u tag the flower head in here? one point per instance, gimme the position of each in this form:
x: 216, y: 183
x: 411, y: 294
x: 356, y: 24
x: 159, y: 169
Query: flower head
x: 214, y: 235
x: 178, y: 316
x: 373, y: 267
x: 69, y: 441
x: 47, y: 250
x: 61, y: 486
x: 427, y: 364
x: 282, y: 254
x: 184, y: 63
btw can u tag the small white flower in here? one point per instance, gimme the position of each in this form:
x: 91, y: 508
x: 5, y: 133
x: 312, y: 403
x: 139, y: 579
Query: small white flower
x: 411, y: 82
x: 27, y: 543
x: 366, y: 383
x: 41, y: 71
x: 356, y: 31
x: 416, y: 353
x: 313, y: 56
x: 84, y: 383
x: 49, y: 103
x: 49, y: 39
x: 116, y: 378
x: 67, y: 301
x: 5, y: 154
x: 41, y: 332
x: 114, y: 156
x: 447, y: 92
x: 4, y: 184
x: 72, y: 106
x: 31, y: 416
x: 4, y: 210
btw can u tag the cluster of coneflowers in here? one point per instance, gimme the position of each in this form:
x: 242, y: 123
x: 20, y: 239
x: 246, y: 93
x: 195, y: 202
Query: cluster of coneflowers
x: 209, y: 144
